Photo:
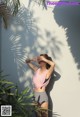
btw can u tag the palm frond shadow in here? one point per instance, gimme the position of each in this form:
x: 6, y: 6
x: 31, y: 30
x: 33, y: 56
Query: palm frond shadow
x: 21, y: 39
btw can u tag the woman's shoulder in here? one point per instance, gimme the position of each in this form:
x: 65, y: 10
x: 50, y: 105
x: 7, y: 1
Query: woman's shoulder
x: 37, y: 70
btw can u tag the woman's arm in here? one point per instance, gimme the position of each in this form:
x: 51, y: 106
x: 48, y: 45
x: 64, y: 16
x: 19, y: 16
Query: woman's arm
x: 33, y: 67
x: 51, y: 63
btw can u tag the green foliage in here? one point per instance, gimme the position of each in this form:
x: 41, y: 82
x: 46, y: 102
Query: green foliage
x: 11, y: 7
x: 8, y: 8
x: 22, y: 104
x: 13, y: 4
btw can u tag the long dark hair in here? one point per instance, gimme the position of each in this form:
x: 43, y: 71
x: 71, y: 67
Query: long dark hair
x: 47, y: 57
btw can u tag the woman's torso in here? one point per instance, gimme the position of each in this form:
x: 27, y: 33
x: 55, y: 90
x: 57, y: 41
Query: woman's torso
x: 39, y: 80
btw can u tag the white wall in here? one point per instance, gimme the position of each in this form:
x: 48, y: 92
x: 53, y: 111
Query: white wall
x: 54, y: 31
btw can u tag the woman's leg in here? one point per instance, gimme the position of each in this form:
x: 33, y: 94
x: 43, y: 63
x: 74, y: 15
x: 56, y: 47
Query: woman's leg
x: 44, y: 113
x: 42, y: 100
x: 44, y: 105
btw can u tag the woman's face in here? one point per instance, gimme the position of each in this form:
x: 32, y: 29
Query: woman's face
x: 41, y: 63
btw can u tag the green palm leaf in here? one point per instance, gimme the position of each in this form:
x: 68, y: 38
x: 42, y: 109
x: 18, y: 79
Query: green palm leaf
x: 6, y: 6
x: 5, y: 81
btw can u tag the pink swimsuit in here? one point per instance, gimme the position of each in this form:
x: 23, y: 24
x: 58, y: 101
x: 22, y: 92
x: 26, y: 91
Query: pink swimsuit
x: 39, y: 80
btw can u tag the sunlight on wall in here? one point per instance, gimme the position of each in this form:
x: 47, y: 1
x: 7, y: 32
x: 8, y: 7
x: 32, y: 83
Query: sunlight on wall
x: 34, y: 31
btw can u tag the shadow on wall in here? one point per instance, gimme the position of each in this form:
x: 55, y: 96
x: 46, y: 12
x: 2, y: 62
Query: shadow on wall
x: 18, y: 43
x: 23, y: 39
x: 55, y: 45
x: 55, y: 76
x: 69, y: 17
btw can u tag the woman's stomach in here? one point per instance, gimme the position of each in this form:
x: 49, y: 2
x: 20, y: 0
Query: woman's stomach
x: 39, y: 89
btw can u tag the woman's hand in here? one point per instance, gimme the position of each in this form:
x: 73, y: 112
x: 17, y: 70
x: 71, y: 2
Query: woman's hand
x: 28, y: 60
x: 41, y: 58
x: 31, y: 65
x: 34, y: 59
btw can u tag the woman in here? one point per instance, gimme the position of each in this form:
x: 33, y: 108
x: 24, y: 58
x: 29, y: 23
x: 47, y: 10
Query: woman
x: 41, y: 78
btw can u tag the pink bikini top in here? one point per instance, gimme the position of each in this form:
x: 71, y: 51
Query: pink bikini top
x: 40, y: 81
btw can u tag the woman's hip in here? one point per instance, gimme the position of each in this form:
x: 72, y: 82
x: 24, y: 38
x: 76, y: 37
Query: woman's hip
x: 41, y: 97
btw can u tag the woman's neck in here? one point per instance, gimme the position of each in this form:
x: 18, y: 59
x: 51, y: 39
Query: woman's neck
x: 43, y: 68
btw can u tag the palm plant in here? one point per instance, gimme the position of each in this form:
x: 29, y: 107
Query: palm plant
x: 22, y: 102
x: 11, y: 7
x: 8, y: 8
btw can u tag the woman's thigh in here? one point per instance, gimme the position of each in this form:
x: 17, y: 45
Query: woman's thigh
x: 44, y: 105
x: 41, y: 98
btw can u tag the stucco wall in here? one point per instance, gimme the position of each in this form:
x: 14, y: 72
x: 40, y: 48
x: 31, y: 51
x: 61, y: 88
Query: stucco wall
x: 55, y: 31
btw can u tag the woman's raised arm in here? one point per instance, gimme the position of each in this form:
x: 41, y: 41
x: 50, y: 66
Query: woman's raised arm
x: 31, y: 65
